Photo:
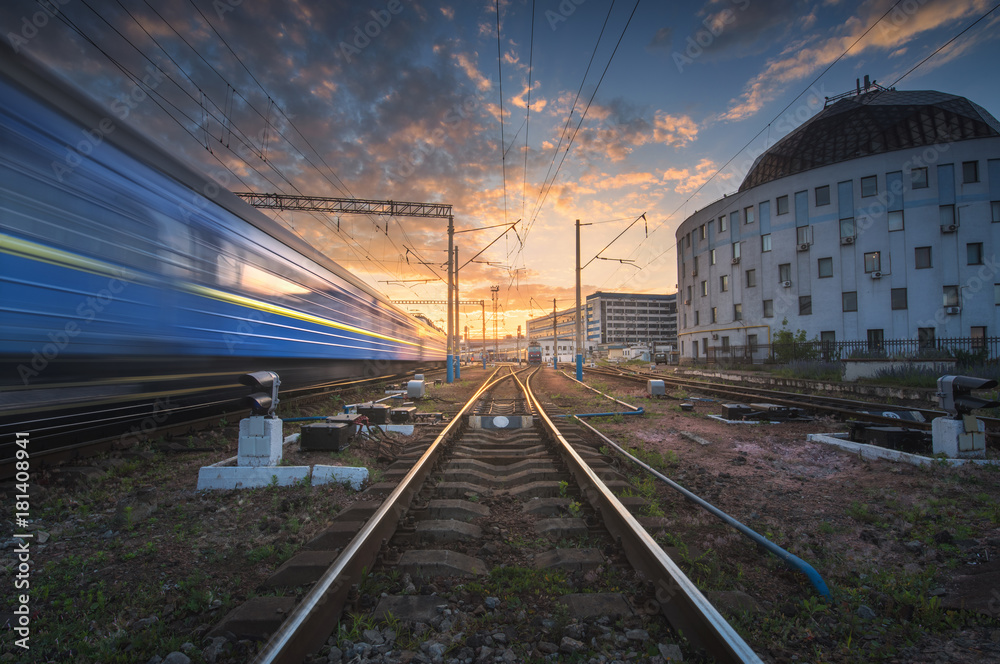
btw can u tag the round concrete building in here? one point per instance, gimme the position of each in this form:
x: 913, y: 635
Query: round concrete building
x: 876, y: 221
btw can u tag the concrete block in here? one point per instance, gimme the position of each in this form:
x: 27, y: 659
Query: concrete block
x: 451, y: 508
x: 302, y: 569
x: 415, y: 389
x: 429, y: 563
x: 256, y: 618
x: 260, y: 441
x: 410, y: 608
x: 594, y: 605
x: 447, y: 530
x: 249, y: 477
x: 655, y: 388
x: 561, y: 528
x: 570, y: 560
x: 355, y: 477
x: 953, y: 438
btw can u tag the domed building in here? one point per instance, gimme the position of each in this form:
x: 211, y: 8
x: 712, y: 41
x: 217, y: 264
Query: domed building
x: 876, y: 220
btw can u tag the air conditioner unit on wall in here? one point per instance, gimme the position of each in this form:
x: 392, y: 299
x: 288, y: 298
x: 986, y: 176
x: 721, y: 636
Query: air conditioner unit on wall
x: 950, y: 228
x: 687, y: 301
x: 847, y: 240
x: 953, y: 310
x: 736, y: 261
x: 876, y: 275
x: 715, y: 337
x: 786, y: 284
x: 804, y: 246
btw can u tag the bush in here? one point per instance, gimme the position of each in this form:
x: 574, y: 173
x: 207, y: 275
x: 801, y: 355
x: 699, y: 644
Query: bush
x: 810, y: 370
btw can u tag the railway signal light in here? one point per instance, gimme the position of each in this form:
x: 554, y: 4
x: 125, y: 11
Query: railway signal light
x: 955, y: 394
x: 263, y: 399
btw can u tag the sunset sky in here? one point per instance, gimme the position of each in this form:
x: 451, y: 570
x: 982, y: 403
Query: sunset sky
x: 420, y: 101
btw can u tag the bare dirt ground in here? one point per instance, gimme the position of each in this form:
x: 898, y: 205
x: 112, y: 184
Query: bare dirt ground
x: 905, y: 550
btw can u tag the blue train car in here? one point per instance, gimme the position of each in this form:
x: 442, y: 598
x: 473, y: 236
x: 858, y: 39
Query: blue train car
x: 132, y: 285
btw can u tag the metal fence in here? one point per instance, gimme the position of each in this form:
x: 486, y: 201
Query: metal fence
x: 979, y: 349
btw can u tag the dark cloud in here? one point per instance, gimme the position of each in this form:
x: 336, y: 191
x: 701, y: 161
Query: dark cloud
x: 662, y: 40
x: 737, y: 28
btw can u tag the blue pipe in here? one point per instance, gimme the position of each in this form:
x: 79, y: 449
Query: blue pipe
x: 789, y: 558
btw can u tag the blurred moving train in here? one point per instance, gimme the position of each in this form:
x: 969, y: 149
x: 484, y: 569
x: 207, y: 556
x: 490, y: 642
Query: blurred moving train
x: 133, y: 288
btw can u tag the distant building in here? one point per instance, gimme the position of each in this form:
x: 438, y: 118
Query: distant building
x: 877, y: 219
x: 622, y: 319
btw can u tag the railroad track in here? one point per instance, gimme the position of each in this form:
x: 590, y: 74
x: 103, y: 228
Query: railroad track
x: 515, y: 514
x: 152, y: 418
x: 846, y: 408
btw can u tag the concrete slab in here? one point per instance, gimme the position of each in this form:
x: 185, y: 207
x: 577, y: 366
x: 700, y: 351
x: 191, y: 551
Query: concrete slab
x: 410, y: 608
x: 352, y: 476
x: 976, y: 591
x: 461, y: 489
x: 570, y: 560
x: 547, y: 506
x: 594, y: 605
x: 451, y: 508
x: 335, y: 536
x: 249, y: 477
x: 559, y: 528
x: 440, y: 562
x: 359, y: 511
x: 302, y: 569
x: 875, y: 452
x: 447, y: 530
x: 544, y: 489
x: 257, y: 618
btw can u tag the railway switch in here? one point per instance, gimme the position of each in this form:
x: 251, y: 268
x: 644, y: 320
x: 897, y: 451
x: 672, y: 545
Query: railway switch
x: 263, y: 399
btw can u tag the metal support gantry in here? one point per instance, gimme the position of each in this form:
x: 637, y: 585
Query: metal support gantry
x: 346, y: 205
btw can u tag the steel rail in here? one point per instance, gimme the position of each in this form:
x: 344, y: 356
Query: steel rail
x: 678, y: 598
x: 314, y: 618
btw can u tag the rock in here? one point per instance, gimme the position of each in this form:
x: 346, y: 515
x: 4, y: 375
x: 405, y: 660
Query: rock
x: 216, y: 647
x: 871, y: 537
x: 914, y: 546
x: 640, y: 635
x: 485, y: 654
x: 937, y: 592
x: 335, y: 655
x: 41, y: 537
x: 943, y: 537
x: 437, y: 650
x: 547, y: 648
x: 575, y: 631
x: 373, y: 636
x: 155, y: 659
x: 492, y: 602
x: 570, y: 646
x: 670, y: 652
x: 865, y: 613
x: 187, y: 647
x: 144, y: 623
x: 176, y: 658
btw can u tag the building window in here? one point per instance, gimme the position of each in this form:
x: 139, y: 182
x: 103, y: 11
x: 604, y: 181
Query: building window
x: 805, y: 305
x: 748, y: 215
x: 689, y: 295
x: 925, y: 338
x: 782, y: 204
x: 970, y: 172
x: 711, y: 257
x: 724, y: 283
x: 734, y: 218
x: 751, y: 278
x: 974, y: 253
x: 723, y: 225
x: 895, y: 218
x: 725, y: 343
x: 850, y: 301
x: 828, y: 338
x: 768, y: 308
x: 704, y: 288
x: 847, y: 227
x: 765, y: 242
x: 876, y: 339
x: 803, y: 235
x: 785, y: 272
x: 737, y: 312
x: 898, y: 298
x: 922, y: 258
x: 873, y: 261
x: 825, y: 267
x: 950, y: 296
x: 918, y: 178
x: 947, y: 213
x: 869, y: 186
x: 697, y: 318
x: 978, y: 334
x: 715, y: 314
x: 823, y: 195
x: 736, y: 250
x: 702, y: 232
x: 752, y: 342
x: 995, y: 211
